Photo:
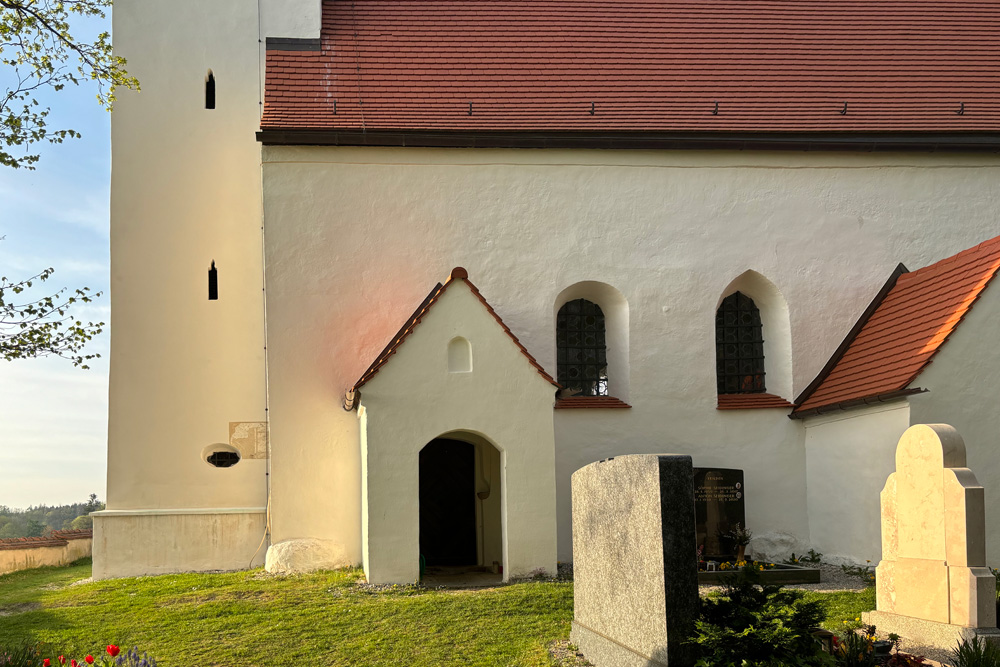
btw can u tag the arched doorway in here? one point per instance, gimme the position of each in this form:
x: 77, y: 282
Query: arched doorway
x: 459, y: 499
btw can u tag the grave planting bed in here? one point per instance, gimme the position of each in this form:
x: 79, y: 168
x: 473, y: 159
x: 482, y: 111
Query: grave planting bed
x: 773, y: 573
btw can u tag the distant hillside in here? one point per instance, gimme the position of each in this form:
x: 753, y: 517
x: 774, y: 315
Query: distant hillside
x: 43, y: 519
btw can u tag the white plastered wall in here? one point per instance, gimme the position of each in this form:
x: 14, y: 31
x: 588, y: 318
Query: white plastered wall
x: 357, y: 236
x: 963, y: 392
x: 185, y: 191
x: 849, y: 455
x: 414, y: 399
x: 299, y: 19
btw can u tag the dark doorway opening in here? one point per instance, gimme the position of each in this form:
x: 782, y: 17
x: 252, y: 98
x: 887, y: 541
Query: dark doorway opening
x: 448, y: 503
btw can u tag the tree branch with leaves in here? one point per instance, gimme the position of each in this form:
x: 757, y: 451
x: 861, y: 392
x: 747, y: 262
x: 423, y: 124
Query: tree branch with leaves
x: 42, y: 327
x: 39, y: 53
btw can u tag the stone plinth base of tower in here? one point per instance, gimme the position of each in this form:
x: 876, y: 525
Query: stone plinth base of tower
x: 135, y: 543
x: 927, y: 633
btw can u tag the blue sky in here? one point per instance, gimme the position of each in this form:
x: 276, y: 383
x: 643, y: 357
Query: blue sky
x: 53, y: 417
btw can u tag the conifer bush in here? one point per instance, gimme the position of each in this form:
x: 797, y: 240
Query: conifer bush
x: 755, y: 625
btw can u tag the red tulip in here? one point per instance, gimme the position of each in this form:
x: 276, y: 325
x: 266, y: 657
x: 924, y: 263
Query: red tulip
x: 72, y: 662
x: 62, y: 660
x: 89, y: 659
x: 46, y: 662
x: 113, y: 650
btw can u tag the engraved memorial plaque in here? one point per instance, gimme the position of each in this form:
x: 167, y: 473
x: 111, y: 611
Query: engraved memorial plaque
x: 719, y: 504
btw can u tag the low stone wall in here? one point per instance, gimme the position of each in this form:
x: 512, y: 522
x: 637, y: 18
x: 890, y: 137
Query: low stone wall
x: 61, y: 547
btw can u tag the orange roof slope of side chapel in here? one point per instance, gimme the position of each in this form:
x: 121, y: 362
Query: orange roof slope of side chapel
x: 902, y: 330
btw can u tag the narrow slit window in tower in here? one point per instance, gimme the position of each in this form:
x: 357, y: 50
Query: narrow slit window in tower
x: 213, y: 283
x: 210, y: 90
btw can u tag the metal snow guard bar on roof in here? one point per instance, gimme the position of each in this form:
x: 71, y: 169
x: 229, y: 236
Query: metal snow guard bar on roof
x: 962, y: 142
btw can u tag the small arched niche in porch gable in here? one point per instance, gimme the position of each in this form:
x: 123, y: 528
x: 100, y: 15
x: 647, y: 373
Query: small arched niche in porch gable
x: 459, y: 355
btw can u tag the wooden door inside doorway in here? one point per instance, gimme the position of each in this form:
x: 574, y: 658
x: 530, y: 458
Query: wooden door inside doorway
x: 448, y: 503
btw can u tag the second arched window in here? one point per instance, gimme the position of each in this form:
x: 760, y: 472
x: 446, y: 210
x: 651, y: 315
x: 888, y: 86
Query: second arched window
x: 739, y: 345
x: 582, y: 357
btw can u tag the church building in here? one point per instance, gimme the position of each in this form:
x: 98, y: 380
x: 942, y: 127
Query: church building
x: 385, y: 274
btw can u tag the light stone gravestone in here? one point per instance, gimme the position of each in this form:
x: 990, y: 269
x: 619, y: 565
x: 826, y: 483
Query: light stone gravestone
x: 634, y: 561
x: 932, y: 585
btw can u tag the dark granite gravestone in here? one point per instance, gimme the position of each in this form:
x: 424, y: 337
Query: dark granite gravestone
x: 719, y: 505
x: 635, y: 590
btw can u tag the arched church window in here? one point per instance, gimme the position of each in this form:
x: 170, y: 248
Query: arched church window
x: 210, y: 90
x: 580, y: 348
x: 739, y: 346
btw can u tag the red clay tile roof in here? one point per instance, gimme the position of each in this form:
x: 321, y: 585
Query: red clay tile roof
x: 458, y: 273
x: 583, y: 402
x: 642, y: 65
x: 903, y: 331
x: 17, y: 543
x: 751, y: 401
x: 79, y: 534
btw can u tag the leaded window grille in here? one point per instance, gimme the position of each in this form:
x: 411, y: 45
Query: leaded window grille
x: 739, y: 346
x: 582, y: 356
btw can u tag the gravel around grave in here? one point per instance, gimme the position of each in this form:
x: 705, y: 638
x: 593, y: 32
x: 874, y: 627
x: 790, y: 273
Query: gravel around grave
x: 565, y: 654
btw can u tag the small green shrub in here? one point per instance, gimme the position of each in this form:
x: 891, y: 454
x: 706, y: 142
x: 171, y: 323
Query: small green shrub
x: 855, y: 650
x: 976, y: 653
x: 866, y: 573
x: 903, y: 660
x: 857, y: 647
x: 752, y: 625
x: 813, y: 557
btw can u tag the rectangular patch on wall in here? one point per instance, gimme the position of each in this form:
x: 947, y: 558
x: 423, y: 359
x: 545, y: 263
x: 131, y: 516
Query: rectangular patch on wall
x: 250, y: 438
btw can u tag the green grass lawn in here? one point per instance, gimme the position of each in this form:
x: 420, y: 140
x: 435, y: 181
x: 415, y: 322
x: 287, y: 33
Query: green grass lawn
x: 322, y: 619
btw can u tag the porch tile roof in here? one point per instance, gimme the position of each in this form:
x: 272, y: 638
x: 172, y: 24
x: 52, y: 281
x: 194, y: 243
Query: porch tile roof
x: 641, y: 65
x: 903, y: 330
